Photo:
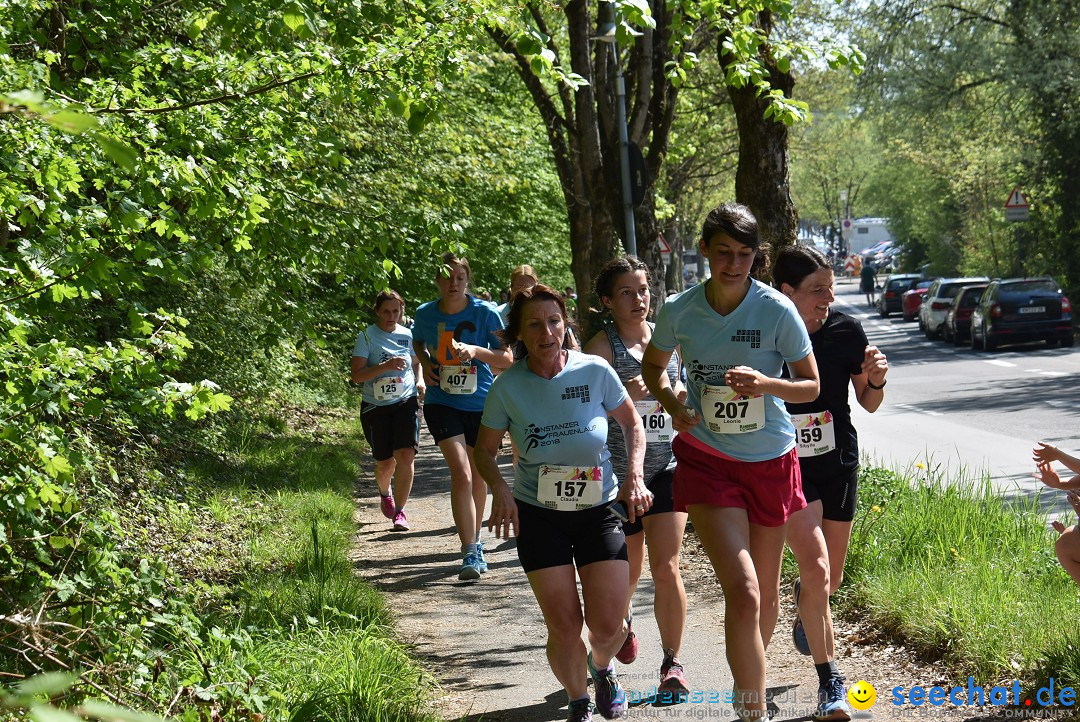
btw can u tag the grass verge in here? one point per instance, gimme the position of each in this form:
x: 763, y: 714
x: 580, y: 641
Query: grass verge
x: 962, y: 575
x: 261, y: 533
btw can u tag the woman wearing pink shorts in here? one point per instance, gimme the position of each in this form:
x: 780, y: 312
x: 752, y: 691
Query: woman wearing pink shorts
x: 738, y: 471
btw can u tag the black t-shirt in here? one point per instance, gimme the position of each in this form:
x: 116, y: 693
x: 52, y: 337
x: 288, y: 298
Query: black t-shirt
x: 839, y: 346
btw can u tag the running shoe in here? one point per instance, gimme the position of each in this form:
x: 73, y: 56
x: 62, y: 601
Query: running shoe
x: 610, y: 698
x: 401, y: 522
x: 581, y: 710
x: 480, y: 554
x: 672, y: 679
x: 831, y: 701
x: 470, y: 568
x: 628, y: 652
x: 798, y: 633
x: 388, y: 507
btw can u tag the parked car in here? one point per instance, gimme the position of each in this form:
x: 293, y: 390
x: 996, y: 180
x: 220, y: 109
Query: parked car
x: 910, y: 301
x: 1015, y: 310
x: 892, y: 290
x: 957, y: 326
x: 939, y: 297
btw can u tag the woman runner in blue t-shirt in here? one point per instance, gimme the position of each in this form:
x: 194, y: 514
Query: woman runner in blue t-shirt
x: 737, y: 472
x: 457, y: 341
x: 384, y: 362
x: 555, y: 402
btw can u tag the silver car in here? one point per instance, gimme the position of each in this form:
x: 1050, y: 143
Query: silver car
x: 939, y: 298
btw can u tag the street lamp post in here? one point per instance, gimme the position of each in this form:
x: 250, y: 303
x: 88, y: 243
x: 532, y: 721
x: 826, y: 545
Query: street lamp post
x: 605, y: 33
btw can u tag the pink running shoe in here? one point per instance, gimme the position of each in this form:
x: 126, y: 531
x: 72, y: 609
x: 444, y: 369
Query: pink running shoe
x: 401, y: 522
x: 387, y: 506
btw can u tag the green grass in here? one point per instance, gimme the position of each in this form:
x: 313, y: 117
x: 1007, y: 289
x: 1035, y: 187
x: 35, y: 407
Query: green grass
x: 961, y: 575
x: 262, y: 531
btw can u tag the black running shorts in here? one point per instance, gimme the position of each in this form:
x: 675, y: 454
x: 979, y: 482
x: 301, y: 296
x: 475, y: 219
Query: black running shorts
x: 548, y: 538
x: 837, y: 494
x: 446, y: 422
x: 389, y: 428
x: 663, y: 501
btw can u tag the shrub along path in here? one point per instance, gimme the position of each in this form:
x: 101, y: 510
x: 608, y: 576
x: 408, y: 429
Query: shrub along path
x: 485, y: 640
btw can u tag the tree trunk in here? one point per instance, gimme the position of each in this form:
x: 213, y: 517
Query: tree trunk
x: 761, y: 181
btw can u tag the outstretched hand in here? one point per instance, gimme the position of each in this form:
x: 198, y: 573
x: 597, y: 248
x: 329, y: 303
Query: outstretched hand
x: 1045, y: 453
x: 1048, y: 476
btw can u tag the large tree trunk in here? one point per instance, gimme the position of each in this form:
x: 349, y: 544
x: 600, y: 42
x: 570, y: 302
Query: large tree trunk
x: 761, y: 181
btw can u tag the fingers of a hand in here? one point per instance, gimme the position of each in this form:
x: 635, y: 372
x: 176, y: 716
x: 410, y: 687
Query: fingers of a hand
x: 1058, y: 527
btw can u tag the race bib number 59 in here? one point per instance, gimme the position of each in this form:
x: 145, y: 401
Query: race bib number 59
x: 728, y: 412
x: 814, y: 433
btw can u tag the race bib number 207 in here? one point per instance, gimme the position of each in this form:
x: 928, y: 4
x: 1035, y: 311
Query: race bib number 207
x: 728, y: 412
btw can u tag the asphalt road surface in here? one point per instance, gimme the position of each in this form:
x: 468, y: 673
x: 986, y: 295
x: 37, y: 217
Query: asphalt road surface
x: 965, y: 413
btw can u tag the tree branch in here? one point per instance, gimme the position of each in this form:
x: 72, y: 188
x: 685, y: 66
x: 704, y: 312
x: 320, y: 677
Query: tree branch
x: 228, y: 97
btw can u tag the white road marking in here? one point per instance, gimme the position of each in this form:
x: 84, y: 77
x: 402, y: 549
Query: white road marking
x: 998, y: 362
x: 1053, y: 373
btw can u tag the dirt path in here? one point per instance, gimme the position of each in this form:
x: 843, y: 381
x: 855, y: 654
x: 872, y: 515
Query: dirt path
x: 485, y: 640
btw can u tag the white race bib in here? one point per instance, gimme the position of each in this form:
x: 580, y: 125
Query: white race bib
x: 656, y: 420
x: 814, y: 433
x: 728, y: 412
x: 457, y: 379
x: 569, y: 488
x: 389, y: 388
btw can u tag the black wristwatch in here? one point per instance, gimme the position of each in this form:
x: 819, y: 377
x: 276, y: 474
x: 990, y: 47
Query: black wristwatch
x: 876, y: 388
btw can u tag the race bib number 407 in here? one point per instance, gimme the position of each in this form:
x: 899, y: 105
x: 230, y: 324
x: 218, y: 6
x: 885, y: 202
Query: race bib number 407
x: 457, y: 379
x: 569, y: 488
x: 728, y: 412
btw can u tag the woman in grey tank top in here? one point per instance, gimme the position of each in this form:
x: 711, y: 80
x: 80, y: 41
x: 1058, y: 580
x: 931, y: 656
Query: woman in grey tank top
x: 623, y: 288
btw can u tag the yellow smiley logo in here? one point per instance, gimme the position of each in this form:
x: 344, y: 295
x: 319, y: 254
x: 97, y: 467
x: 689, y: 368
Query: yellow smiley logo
x: 862, y: 695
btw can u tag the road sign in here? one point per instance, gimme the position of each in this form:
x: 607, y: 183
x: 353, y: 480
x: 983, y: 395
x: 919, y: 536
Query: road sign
x: 845, y: 231
x: 849, y: 265
x: 1017, y: 207
x: 665, y: 249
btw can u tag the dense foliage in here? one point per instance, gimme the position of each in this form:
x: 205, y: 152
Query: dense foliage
x: 197, y: 204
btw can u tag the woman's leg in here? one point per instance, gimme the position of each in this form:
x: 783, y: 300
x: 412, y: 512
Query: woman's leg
x: 462, y: 502
x: 664, y: 534
x: 605, y: 587
x: 725, y: 535
x: 837, y: 536
x: 403, y: 476
x: 767, y: 550
x: 555, y: 589
x: 1067, y: 547
x: 479, y: 494
x: 635, y: 552
x: 808, y: 545
x: 384, y: 472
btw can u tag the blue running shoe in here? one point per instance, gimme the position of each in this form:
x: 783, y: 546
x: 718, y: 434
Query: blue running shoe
x: 610, y: 698
x: 831, y: 701
x: 480, y: 554
x: 470, y: 568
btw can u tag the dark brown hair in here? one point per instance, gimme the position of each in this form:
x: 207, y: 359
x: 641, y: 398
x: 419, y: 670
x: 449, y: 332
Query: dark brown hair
x: 452, y: 259
x: 795, y: 263
x: 737, y: 222
x: 388, y: 295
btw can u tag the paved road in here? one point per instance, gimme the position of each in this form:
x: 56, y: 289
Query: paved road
x: 969, y: 413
